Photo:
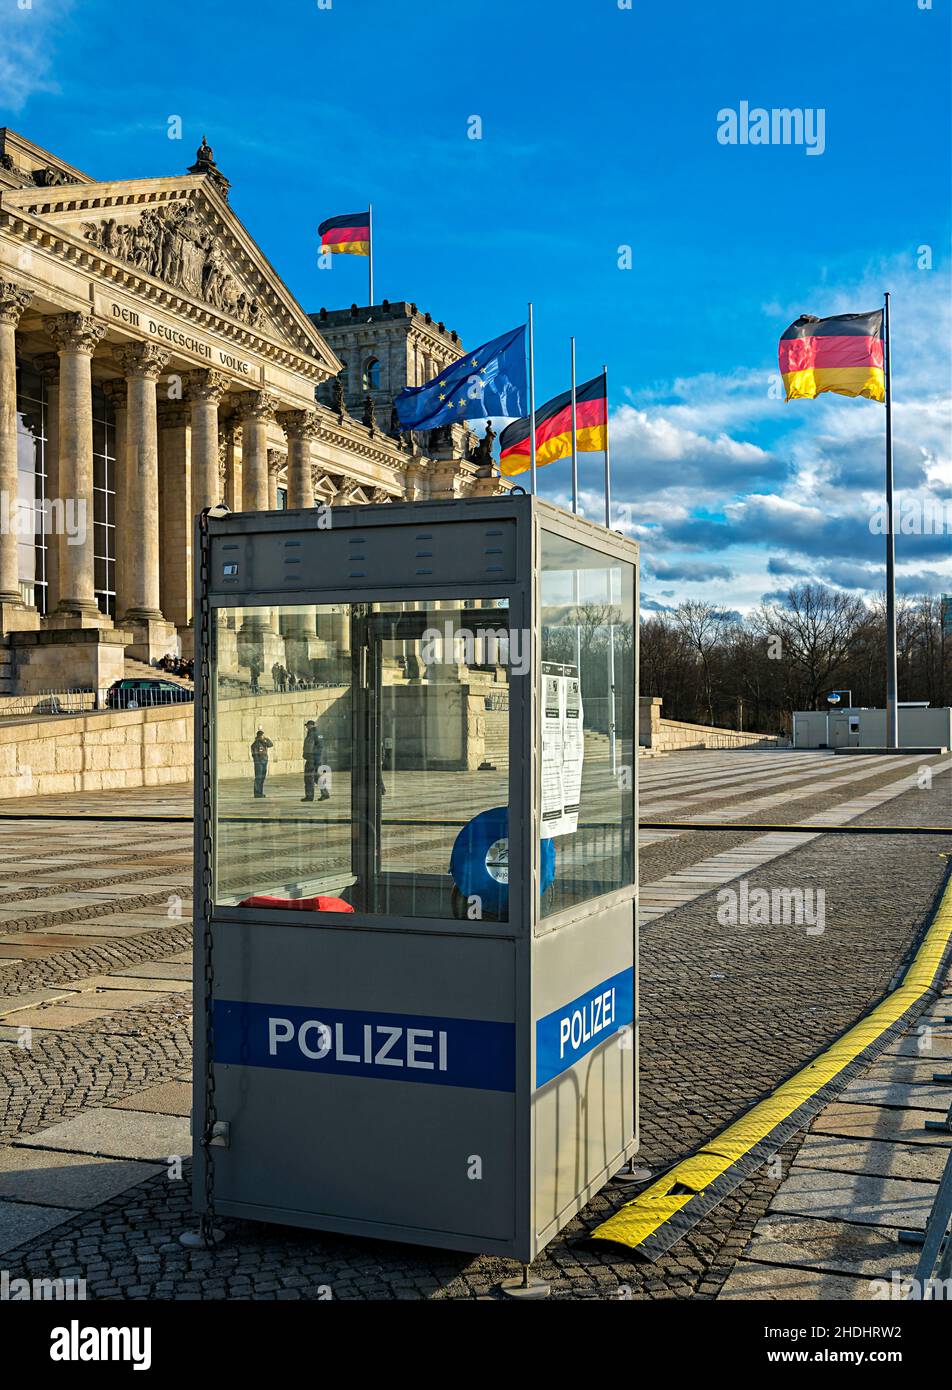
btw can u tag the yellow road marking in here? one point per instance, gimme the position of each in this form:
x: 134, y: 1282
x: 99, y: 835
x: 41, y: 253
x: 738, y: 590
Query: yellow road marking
x: 647, y: 1213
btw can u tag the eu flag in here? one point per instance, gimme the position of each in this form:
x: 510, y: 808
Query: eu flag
x: 489, y: 381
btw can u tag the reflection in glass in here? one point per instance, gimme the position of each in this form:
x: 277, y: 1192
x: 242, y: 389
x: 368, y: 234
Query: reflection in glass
x: 359, y: 750
x: 588, y: 644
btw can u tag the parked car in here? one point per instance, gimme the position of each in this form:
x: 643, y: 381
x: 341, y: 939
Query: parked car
x: 134, y: 693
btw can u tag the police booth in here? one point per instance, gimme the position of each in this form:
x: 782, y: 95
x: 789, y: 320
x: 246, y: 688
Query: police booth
x: 416, y: 869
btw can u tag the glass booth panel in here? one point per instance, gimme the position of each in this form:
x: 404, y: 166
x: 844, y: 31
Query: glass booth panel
x: 361, y: 757
x: 587, y: 620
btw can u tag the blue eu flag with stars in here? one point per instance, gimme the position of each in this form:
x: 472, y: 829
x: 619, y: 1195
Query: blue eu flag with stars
x: 491, y: 380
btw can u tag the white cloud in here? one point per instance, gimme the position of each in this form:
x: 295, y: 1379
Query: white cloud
x: 27, y: 43
x: 690, y: 486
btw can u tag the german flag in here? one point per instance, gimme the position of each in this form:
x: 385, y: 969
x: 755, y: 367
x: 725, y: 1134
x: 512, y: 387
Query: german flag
x: 348, y: 235
x: 842, y: 354
x: 554, y: 429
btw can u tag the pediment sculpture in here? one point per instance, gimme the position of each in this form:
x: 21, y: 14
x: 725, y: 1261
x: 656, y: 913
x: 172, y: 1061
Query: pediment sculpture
x: 175, y: 246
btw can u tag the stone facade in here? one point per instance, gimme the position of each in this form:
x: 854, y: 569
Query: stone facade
x: 173, y: 370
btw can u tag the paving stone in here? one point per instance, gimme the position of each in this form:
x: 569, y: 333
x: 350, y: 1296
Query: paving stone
x: 870, y: 1201
x: 21, y: 1221
x: 935, y: 1045
x: 874, y: 1122
x: 59, y: 940
x: 149, y: 986
x: 32, y: 1175
x: 838, y: 1247
x: 14, y: 1003
x: 749, y: 1281
x: 117, y: 1133
x: 171, y: 969
x: 924, y: 1096
x: 168, y: 1098
x: 872, y: 1156
x: 804, y: 993
x: 909, y: 1070
x: 102, y: 928
x: 153, y: 921
x: 111, y: 999
x: 24, y: 949
x: 56, y: 1017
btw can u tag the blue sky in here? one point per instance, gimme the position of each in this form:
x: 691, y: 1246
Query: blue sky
x: 599, y: 131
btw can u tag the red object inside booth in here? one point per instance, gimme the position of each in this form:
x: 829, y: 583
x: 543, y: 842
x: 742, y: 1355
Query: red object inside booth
x: 320, y: 903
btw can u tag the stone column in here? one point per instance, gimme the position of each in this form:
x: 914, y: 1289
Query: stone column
x: 229, y: 462
x: 258, y: 642
x: 256, y: 411
x: 13, y: 301
x: 275, y: 463
x: 301, y: 427
x: 48, y: 368
x: 76, y: 337
x: 176, y: 510
x: 205, y: 390
x: 142, y: 364
x: 116, y: 394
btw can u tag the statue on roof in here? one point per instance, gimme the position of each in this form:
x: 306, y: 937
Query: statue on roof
x: 205, y: 164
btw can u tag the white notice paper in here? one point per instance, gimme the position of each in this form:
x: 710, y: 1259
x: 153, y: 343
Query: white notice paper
x: 562, y: 748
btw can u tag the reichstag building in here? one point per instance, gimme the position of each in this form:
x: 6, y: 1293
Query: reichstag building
x: 153, y: 363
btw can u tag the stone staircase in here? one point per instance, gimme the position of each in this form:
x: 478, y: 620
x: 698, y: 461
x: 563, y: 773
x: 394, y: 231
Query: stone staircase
x: 497, y: 738
x: 141, y: 670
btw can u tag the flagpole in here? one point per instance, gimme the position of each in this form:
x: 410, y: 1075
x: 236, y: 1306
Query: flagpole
x: 611, y: 596
x: 575, y: 584
x: 892, y: 682
x: 608, y: 460
x: 532, y: 425
x: 370, y: 249
x: 574, y: 439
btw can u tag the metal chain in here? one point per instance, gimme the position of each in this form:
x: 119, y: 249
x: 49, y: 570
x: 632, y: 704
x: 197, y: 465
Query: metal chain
x: 204, y: 665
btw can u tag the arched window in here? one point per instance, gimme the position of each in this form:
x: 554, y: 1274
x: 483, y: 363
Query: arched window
x: 372, y: 375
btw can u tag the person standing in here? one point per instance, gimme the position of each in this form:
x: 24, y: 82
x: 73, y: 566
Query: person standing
x: 313, y: 754
x: 259, y: 757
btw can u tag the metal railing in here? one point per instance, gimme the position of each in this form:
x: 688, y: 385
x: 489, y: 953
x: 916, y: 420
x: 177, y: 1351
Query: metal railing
x: 933, y: 1277
x: 85, y: 700
x: 71, y: 700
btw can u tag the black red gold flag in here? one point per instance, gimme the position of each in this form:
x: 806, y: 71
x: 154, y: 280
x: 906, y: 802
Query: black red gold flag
x: 348, y: 234
x: 554, y: 429
x: 843, y: 354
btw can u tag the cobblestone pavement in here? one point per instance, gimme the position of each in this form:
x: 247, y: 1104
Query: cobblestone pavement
x: 94, y: 1034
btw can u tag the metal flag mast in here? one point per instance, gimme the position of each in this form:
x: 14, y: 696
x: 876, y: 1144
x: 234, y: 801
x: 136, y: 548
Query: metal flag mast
x: 892, y: 705
x: 532, y: 427
x: 574, y: 439
x: 370, y: 250
x: 611, y: 598
x: 608, y: 461
x: 575, y: 584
